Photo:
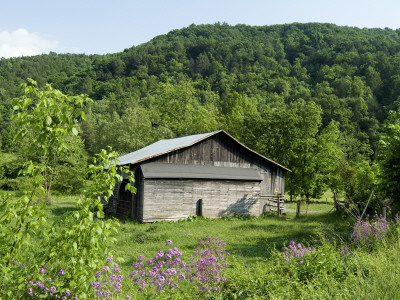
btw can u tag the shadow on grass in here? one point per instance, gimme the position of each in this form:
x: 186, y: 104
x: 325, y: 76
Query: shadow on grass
x: 269, y: 227
x: 324, y: 217
x: 250, y: 238
x: 306, y: 230
x: 261, y: 247
x: 59, y: 211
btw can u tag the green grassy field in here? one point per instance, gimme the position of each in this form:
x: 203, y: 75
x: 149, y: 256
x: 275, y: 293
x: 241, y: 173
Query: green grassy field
x: 314, y: 207
x: 250, y: 239
x: 257, y: 269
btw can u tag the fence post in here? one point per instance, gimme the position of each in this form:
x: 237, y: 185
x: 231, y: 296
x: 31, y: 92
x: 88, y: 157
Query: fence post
x: 279, y: 205
x: 298, y: 208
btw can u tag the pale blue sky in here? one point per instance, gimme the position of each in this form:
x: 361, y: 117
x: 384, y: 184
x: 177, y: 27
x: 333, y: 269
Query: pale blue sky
x: 102, y: 26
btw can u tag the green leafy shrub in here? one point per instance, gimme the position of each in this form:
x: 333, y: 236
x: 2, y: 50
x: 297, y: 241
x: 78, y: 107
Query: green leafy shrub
x: 77, y: 240
x: 71, y: 166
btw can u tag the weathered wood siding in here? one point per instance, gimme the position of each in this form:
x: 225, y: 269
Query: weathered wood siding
x: 176, y: 199
x: 173, y: 199
x: 218, y: 150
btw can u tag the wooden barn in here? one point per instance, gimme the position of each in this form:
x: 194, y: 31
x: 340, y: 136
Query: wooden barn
x: 210, y: 174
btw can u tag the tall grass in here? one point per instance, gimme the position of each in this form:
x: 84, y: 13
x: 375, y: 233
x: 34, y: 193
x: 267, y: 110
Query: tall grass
x: 331, y: 269
x: 257, y: 268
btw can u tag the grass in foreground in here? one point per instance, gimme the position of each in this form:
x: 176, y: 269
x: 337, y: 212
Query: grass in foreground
x: 250, y: 239
x: 258, y: 271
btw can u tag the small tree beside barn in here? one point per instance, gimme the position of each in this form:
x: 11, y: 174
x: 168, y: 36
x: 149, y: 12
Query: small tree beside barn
x: 210, y: 174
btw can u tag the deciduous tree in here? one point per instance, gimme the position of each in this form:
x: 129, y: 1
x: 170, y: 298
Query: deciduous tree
x: 389, y: 158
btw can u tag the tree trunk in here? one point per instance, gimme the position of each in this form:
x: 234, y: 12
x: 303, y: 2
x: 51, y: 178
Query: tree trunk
x: 335, y: 200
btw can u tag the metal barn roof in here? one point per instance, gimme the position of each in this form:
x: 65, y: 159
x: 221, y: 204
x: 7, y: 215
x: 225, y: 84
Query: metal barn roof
x: 165, y: 146
x: 179, y: 171
x: 162, y: 147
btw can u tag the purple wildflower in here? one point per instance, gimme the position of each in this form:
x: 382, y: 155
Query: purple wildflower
x: 344, y: 251
x: 295, y: 251
x: 368, y: 231
x: 167, y: 268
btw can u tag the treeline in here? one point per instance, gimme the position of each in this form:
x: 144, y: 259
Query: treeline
x: 311, y: 96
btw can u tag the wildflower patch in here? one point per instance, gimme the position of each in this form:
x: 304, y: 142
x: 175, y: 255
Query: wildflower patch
x: 366, y: 232
x: 166, y: 270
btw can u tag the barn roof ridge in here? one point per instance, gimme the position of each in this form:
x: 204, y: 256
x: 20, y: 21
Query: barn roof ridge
x: 165, y: 146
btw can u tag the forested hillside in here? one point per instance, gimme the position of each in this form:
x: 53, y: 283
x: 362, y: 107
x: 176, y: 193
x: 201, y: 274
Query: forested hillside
x: 313, y: 97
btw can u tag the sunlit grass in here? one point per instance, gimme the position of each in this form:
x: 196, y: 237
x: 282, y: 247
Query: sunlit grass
x: 251, y: 242
x: 326, y: 198
x: 250, y: 239
x: 313, y: 207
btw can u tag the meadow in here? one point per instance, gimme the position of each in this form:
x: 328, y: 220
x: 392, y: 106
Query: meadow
x: 248, y: 237
x: 326, y: 262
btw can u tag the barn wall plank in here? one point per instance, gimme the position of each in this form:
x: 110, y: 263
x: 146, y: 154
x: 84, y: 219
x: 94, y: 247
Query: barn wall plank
x: 220, y: 198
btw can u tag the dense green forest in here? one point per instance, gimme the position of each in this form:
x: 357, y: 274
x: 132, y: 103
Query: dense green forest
x: 314, y: 97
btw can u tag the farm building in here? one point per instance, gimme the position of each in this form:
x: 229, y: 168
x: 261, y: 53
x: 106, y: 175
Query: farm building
x: 210, y: 174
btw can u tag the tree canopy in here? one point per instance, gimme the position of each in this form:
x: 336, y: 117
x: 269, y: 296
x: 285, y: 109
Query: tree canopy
x: 294, y: 87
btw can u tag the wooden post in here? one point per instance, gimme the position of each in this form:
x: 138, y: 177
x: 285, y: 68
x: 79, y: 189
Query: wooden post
x: 365, y: 208
x: 279, y: 205
x: 384, y: 212
x: 335, y: 201
x: 298, y: 208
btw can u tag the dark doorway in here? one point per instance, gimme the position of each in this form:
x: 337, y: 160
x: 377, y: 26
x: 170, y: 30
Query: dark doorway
x: 125, y: 205
x: 199, y: 208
